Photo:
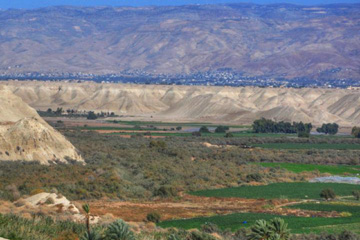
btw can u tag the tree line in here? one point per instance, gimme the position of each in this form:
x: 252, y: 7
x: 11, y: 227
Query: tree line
x: 264, y: 125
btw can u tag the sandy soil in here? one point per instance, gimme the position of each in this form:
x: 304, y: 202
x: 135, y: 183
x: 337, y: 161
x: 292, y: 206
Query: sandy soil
x: 193, y: 206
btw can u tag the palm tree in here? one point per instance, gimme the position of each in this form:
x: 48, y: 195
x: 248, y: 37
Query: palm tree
x: 119, y: 230
x: 86, y: 209
x: 260, y: 231
x: 279, y: 228
x: 275, y: 229
x: 94, y: 235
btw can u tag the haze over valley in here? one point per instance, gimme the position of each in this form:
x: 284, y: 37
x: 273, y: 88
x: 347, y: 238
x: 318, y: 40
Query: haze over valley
x: 309, y: 44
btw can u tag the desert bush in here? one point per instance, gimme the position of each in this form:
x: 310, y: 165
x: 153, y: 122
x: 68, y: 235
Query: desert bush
x: 166, y: 191
x: 229, y: 135
x: 153, y: 217
x: 210, y: 228
x: 328, y: 194
x: 204, y: 129
x: 253, y: 177
x: 36, y: 191
x: 50, y: 200
x: 356, y: 194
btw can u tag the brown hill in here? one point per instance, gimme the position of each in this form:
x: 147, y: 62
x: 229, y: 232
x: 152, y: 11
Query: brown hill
x: 25, y: 136
x: 196, y: 103
x: 259, y: 40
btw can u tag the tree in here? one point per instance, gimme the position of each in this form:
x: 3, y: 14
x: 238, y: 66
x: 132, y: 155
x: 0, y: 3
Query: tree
x: 204, y: 129
x: 229, y: 135
x: 356, y: 194
x: 59, y: 111
x: 328, y: 194
x: 86, y: 209
x: 49, y: 110
x: 268, y: 126
x: 221, y: 129
x: 91, y: 116
x: 178, y: 128
x: 328, y: 128
x: 355, y: 132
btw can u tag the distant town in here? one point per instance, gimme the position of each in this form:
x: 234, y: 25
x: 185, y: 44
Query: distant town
x: 214, y: 78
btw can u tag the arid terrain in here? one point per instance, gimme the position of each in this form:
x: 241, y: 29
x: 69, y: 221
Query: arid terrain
x: 24, y: 135
x: 195, y: 103
x: 279, y: 40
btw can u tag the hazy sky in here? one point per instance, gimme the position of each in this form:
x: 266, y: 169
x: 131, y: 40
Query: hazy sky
x: 43, y: 3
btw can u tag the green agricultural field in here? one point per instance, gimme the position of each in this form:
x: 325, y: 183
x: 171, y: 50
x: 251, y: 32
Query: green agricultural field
x: 299, y: 167
x: 173, y: 124
x: 354, y: 209
x: 297, y: 190
x: 337, y: 146
x: 117, y: 128
x: 221, y: 135
x: 236, y: 221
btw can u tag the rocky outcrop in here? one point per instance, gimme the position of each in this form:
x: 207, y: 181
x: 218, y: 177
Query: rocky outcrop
x: 24, y: 135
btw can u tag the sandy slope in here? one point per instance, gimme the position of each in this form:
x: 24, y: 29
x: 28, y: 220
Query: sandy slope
x: 196, y: 103
x: 24, y: 135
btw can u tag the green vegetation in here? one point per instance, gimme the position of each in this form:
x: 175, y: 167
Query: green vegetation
x: 268, y: 126
x: 355, y: 131
x: 221, y: 129
x: 40, y: 228
x: 328, y: 128
x: 299, y: 167
x: 242, y: 220
x: 329, y: 207
x: 328, y: 194
x: 188, y: 124
x: 337, y: 146
x: 297, y: 190
x: 153, y: 217
x: 91, y: 116
x: 269, y: 230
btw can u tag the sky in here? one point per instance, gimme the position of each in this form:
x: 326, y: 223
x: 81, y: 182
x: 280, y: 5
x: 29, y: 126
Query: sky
x: 5, y: 4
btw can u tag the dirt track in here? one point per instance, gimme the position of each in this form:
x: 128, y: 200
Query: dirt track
x: 193, y: 206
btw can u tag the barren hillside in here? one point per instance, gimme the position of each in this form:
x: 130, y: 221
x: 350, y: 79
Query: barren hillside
x: 282, y: 40
x: 196, y: 103
x: 24, y: 135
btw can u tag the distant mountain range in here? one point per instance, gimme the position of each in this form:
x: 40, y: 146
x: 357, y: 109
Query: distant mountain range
x: 282, y: 40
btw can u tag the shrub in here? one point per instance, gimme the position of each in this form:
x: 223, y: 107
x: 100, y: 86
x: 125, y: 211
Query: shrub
x: 196, y: 134
x: 93, y: 235
x: 50, y: 200
x: 221, y: 129
x: 36, y: 191
x: 303, y: 135
x: 347, y: 235
x: 179, y: 128
x: 274, y: 229
x: 204, y: 129
x: 210, y: 228
x: 153, y: 217
x: 356, y: 194
x: 166, y: 191
x: 91, y: 116
x: 119, y: 230
x: 328, y: 194
x: 253, y: 177
x: 355, y: 132
x: 157, y: 144
x: 229, y: 135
